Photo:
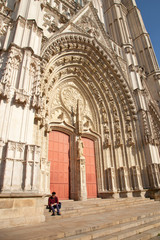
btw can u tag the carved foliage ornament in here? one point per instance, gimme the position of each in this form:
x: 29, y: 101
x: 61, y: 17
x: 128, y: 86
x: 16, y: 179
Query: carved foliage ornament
x: 89, y: 26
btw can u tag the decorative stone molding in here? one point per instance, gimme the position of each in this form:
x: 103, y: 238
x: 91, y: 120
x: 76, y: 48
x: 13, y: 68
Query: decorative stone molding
x: 3, y: 27
x: 24, y: 159
x: 57, y: 13
x: 37, y: 102
x: 157, y: 76
x: 14, y: 59
x: 15, y: 150
x: 89, y: 26
x: 21, y: 97
x: 129, y: 134
x: 13, y: 163
x: 45, y: 176
x: 128, y: 49
x: 4, y: 9
x: 5, y: 91
x: 155, y: 118
x: 32, y: 168
x: 147, y: 133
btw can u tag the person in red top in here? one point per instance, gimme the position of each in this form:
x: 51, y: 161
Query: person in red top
x: 53, y: 203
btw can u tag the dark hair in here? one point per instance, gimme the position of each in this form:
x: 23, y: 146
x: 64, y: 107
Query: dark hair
x: 53, y: 193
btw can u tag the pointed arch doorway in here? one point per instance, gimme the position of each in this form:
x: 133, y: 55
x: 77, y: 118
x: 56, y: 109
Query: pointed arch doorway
x: 59, y: 157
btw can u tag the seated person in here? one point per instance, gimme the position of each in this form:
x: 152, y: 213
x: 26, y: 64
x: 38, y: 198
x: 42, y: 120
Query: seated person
x: 54, y: 203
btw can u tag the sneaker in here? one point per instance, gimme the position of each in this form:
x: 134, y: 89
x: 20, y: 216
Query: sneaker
x: 53, y: 214
x: 58, y: 213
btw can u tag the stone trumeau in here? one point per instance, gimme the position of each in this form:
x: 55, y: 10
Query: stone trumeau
x: 60, y: 59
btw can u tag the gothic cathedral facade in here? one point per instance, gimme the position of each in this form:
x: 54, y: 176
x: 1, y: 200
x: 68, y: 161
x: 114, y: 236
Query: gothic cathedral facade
x: 79, y: 100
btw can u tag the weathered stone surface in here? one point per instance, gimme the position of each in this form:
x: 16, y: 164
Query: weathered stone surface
x: 86, y: 70
x: 6, y: 203
x: 21, y: 211
x: 95, y: 219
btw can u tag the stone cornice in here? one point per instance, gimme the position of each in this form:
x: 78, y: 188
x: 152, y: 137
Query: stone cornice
x: 21, y: 195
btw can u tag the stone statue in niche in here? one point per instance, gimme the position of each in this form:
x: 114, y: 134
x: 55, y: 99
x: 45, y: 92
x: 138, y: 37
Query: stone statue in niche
x: 107, y: 141
x: 104, y: 116
x: 80, y: 147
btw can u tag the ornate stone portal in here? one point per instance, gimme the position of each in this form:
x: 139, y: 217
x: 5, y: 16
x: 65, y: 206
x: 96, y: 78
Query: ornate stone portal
x: 61, y: 55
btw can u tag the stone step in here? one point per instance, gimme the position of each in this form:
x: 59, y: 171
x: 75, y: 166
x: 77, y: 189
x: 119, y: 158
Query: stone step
x: 73, y: 204
x: 146, y: 235
x: 118, y: 231
x: 136, y: 231
x: 82, y: 211
x: 92, y: 225
x: 101, y: 204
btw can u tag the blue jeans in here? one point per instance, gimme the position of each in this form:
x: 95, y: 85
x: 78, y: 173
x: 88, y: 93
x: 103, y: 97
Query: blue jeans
x: 53, y: 208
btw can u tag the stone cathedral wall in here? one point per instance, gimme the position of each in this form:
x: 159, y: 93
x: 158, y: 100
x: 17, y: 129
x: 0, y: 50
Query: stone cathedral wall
x: 57, y: 55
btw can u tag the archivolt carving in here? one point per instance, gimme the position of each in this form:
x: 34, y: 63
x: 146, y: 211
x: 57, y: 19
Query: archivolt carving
x: 124, y: 85
x: 147, y: 133
x: 155, y: 118
x: 88, y: 62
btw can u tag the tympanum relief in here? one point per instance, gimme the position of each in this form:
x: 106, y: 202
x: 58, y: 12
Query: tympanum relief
x: 64, y: 106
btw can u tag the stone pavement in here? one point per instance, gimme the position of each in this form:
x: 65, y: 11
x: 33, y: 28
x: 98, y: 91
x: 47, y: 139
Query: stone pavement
x: 129, y: 219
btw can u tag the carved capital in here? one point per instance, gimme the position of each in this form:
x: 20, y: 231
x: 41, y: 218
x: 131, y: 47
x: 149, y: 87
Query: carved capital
x: 37, y: 102
x: 5, y: 91
x: 21, y: 97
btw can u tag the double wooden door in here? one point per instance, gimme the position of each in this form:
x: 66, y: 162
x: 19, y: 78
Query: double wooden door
x: 59, y: 157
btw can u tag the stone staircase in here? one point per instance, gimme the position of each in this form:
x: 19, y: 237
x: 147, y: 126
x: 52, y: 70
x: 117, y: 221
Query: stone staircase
x: 99, y: 219
x: 102, y: 219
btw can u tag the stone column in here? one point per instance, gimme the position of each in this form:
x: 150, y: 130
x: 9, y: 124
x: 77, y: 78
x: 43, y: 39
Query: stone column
x: 123, y: 177
x: 81, y: 172
x: 136, y: 178
x: 154, y: 176
x: 111, y: 179
x: 45, y: 176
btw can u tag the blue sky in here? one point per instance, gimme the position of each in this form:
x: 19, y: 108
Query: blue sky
x: 150, y: 10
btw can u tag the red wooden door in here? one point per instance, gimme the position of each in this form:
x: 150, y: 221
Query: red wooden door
x: 89, y: 155
x: 58, y: 155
